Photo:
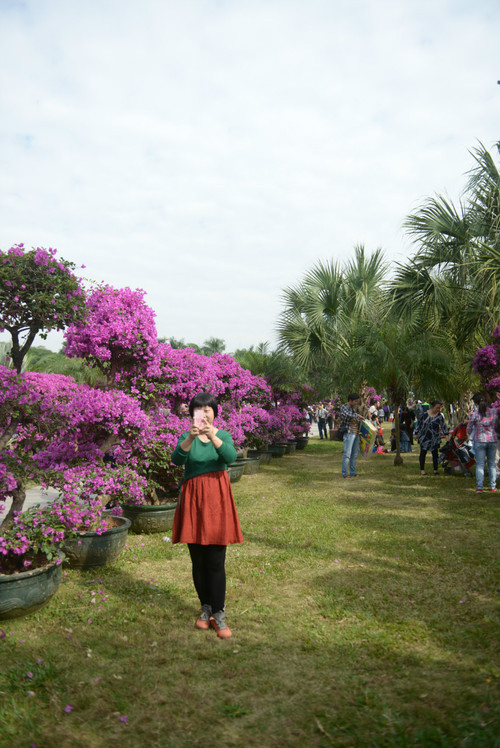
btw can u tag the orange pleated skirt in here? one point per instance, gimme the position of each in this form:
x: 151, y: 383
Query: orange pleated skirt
x: 206, y: 513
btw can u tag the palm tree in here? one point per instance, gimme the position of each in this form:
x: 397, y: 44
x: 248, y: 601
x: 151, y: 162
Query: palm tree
x: 315, y: 325
x: 455, y: 274
x: 213, y: 345
x: 276, y: 367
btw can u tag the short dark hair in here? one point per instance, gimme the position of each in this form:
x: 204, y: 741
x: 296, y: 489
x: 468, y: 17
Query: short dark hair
x: 353, y: 396
x: 436, y: 402
x: 202, y: 399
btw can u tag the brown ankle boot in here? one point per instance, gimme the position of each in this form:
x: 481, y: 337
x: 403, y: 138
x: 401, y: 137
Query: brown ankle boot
x: 218, y: 622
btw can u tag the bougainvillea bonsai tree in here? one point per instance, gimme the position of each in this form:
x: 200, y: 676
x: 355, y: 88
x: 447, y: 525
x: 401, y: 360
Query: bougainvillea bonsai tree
x: 117, y: 335
x: 51, y: 424
x: 38, y: 293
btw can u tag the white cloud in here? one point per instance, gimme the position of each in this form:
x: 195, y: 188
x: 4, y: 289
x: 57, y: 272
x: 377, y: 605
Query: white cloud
x: 211, y: 152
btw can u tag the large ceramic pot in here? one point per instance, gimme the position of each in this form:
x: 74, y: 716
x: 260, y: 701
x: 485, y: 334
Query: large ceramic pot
x: 250, y: 465
x: 26, y: 592
x: 278, y: 450
x: 302, y: 442
x: 89, y: 549
x: 262, y: 455
x: 235, y: 472
x: 150, y: 518
x: 291, y: 447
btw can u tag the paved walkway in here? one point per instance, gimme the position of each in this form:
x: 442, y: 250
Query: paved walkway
x: 34, y: 496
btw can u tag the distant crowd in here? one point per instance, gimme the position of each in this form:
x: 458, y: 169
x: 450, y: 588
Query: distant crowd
x: 473, y: 443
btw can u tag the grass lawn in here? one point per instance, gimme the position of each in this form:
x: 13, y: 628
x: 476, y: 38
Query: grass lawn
x: 365, y: 613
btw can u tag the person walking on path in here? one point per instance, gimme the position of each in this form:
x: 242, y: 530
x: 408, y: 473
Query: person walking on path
x: 481, y: 427
x: 206, y: 517
x: 350, y: 421
x: 322, y: 415
x: 431, y: 427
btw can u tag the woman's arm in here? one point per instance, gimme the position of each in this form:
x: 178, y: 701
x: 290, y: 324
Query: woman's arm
x: 181, y: 452
x: 225, y: 447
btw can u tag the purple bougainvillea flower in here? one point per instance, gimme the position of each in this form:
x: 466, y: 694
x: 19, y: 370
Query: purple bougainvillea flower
x: 123, y: 718
x: 68, y: 708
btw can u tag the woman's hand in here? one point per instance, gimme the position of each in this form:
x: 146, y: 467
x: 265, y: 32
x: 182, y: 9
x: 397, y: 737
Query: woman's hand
x: 193, y: 433
x: 209, y: 430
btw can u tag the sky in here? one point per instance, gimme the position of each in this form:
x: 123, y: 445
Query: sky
x: 211, y: 152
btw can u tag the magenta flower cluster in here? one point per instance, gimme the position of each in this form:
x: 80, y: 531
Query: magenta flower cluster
x: 118, y: 333
x: 486, y: 361
x: 487, y: 365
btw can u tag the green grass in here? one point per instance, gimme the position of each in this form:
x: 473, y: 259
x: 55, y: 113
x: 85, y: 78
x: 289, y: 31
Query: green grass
x: 364, y: 612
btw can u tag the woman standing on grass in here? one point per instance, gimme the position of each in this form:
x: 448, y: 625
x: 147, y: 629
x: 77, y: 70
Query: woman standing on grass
x: 430, y: 429
x: 206, y: 517
x: 481, y: 427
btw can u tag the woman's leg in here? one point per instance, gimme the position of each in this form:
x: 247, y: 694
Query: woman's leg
x: 421, y: 458
x: 215, y: 559
x: 197, y: 554
x: 435, y: 458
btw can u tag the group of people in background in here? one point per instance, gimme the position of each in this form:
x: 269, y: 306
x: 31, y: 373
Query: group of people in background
x: 424, y: 423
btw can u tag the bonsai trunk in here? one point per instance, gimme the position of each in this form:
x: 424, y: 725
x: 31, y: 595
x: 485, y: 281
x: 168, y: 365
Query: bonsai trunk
x: 153, y: 496
x: 8, y: 433
x: 18, y: 499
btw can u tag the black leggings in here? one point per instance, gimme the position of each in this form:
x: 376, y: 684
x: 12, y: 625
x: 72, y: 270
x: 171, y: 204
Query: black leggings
x: 423, y: 453
x: 209, y: 574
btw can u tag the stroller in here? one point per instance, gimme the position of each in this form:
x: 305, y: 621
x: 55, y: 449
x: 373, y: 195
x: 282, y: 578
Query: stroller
x: 456, y: 457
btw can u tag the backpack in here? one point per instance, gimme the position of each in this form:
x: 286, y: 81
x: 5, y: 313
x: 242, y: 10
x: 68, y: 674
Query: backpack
x: 340, y: 433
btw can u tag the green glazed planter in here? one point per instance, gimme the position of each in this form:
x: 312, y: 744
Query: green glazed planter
x: 235, y: 472
x: 263, y: 456
x: 278, y: 450
x: 26, y: 592
x: 150, y: 518
x: 302, y: 442
x: 250, y: 465
x: 89, y: 549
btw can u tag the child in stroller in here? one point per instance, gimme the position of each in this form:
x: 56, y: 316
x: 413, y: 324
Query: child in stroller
x: 456, y: 456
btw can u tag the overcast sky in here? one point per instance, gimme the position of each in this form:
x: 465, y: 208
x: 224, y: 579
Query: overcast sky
x: 210, y: 152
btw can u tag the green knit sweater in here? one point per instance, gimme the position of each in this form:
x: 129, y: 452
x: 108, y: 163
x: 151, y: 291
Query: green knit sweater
x: 203, y: 457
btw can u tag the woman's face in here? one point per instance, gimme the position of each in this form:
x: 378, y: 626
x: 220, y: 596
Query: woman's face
x: 208, y: 414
